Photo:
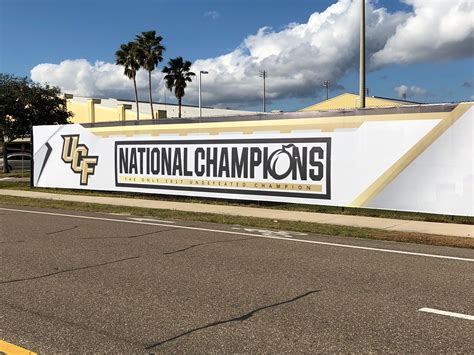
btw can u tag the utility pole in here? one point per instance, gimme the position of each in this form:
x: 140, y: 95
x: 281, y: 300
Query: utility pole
x: 264, y: 74
x: 326, y: 85
x: 362, y: 55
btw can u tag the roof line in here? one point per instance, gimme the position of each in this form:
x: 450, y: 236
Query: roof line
x: 282, y: 116
x: 391, y: 99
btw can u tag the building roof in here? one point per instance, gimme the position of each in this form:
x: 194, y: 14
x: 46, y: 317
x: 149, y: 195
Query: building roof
x: 351, y: 101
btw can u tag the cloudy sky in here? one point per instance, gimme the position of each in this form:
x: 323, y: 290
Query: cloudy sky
x: 421, y: 48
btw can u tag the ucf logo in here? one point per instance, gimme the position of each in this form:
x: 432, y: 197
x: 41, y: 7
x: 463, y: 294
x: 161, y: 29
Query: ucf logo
x: 77, y: 155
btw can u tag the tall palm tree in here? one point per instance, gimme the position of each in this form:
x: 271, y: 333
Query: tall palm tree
x: 177, y: 75
x: 126, y: 56
x: 150, y: 53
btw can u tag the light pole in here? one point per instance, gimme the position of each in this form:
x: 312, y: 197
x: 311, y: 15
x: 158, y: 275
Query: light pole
x: 362, y: 55
x: 326, y: 85
x: 264, y: 74
x: 200, y: 106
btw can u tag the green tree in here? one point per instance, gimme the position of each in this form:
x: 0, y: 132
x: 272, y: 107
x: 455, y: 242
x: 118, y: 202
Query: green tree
x: 24, y: 104
x: 177, y: 75
x: 127, y: 56
x: 150, y: 53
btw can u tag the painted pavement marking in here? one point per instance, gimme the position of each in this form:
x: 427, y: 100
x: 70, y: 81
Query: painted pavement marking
x: 446, y: 313
x: 349, y: 246
x: 11, y: 349
x: 265, y: 232
x: 150, y: 220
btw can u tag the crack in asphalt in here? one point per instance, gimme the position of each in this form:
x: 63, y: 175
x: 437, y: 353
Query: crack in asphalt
x: 67, y: 270
x: 134, y: 236
x: 13, y: 241
x: 62, y: 230
x: 236, y: 319
x: 196, y: 245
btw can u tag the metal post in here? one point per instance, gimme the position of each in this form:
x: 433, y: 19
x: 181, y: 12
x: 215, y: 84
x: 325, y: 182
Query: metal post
x: 326, y: 85
x: 200, y: 78
x: 200, y: 107
x: 32, y: 163
x: 22, y: 158
x: 264, y: 74
x: 362, y: 55
x: 264, y: 92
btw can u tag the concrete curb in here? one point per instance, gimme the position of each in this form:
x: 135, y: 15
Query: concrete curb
x: 449, y: 229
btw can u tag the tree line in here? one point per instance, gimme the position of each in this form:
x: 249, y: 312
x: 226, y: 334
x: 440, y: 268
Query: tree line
x: 145, y: 52
x: 24, y: 104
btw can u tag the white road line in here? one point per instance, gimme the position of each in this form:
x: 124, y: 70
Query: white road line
x: 266, y: 232
x: 241, y: 233
x: 446, y: 313
x: 150, y: 220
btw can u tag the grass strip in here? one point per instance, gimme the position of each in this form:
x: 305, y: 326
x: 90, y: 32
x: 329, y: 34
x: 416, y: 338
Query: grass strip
x: 15, y: 174
x: 366, y: 212
x: 306, y: 227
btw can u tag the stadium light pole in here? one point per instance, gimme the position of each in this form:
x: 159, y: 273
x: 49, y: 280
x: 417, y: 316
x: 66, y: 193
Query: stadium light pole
x: 362, y: 55
x: 264, y: 74
x: 200, y: 78
x: 326, y: 85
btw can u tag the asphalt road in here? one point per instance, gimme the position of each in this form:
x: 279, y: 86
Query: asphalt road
x: 114, y: 283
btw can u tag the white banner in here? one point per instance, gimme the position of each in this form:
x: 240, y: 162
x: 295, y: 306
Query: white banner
x: 414, y: 161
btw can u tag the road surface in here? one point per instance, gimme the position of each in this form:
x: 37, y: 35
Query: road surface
x: 77, y: 282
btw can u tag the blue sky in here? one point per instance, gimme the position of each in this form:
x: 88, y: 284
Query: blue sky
x: 35, y: 32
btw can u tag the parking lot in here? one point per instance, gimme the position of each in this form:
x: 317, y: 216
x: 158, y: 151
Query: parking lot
x: 77, y: 282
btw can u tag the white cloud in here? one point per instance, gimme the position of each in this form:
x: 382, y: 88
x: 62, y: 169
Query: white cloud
x: 299, y: 57
x: 437, y: 30
x: 410, y: 91
x: 212, y: 14
x: 101, y: 79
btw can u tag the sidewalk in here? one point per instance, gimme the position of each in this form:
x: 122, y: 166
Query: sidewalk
x: 450, y: 229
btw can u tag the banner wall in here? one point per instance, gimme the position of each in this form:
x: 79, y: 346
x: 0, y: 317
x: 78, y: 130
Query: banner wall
x: 414, y: 161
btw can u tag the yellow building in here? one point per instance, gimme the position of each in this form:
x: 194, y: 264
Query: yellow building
x: 90, y: 110
x: 349, y: 101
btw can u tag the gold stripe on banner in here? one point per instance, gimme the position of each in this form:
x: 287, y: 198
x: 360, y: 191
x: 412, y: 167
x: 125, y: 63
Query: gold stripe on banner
x: 147, y: 180
x: 326, y: 124
x: 447, y: 121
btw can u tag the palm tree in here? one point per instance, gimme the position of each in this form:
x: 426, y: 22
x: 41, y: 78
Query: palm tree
x: 177, y: 75
x: 149, y: 53
x: 126, y: 56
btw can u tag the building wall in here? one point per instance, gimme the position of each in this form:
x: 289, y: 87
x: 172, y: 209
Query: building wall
x: 79, y: 110
x: 86, y: 111
x: 413, y: 158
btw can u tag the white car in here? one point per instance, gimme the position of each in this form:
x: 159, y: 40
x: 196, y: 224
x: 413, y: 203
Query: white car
x: 17, y: 160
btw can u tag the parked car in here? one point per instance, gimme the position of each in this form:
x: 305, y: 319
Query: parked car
x: 17, y: 160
